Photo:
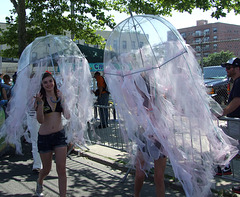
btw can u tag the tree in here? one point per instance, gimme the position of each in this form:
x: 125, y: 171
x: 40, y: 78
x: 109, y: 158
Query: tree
x: 84, y: 17
x: 20, y: 9
x: 54, y: 17
x: 215, y: 59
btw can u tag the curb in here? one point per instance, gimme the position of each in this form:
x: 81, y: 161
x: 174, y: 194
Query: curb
x: 118, y: 164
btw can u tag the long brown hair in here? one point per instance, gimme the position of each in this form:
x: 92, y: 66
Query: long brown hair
x: 42, y: 90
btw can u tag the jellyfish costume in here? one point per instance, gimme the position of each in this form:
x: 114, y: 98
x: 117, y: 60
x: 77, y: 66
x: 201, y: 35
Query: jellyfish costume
x: 161, y: 101
x: 60, y: 56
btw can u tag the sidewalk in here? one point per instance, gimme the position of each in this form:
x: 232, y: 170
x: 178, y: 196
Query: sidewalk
x: 85, y: 177
x: 221, y: 185
x: 17, y: 178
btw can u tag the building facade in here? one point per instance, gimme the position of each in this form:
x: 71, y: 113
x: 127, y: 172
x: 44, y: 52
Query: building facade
x: 207, y: 38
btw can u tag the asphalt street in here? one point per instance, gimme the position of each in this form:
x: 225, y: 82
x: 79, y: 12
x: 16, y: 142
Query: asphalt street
x: 85, y: 178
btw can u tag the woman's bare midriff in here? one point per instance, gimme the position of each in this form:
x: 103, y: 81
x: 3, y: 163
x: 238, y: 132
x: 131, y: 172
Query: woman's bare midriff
x: 52, y: 123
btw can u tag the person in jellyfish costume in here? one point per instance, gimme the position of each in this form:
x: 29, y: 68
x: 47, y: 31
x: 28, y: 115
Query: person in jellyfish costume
x: 155, y: 65
x: 60, y: 56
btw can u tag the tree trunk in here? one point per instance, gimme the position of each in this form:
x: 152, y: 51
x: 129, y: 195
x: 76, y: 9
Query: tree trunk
x: 21, y: 26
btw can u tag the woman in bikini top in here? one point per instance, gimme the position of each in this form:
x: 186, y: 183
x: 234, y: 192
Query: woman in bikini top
x: 47, y: 108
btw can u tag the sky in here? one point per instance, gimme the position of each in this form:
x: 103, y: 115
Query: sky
x: 178, y: 20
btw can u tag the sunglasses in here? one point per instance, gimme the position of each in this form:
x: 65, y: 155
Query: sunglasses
x: 229, y: 67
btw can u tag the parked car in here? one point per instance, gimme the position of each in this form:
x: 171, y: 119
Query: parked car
x: 217, y: 83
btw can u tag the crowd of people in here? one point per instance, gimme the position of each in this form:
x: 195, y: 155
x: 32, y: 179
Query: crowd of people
x: 48, y: 136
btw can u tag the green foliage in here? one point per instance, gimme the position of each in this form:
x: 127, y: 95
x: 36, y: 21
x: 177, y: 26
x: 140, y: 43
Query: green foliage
x: 164, y: 7
x: 215, y: 59
x: 55, y: 17
x: 87, y: 16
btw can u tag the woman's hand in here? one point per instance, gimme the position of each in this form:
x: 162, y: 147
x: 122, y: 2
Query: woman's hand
x: 59, y: 94
x: 38, y: 98
x: 38, y: 105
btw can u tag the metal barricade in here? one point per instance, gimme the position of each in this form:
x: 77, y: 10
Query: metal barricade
x: 226, y: 124
x: 111, y: 135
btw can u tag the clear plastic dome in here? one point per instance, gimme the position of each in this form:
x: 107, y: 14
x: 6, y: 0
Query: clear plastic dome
x: 142, y: 42
x: 60, y: 56
x: 162, y: 104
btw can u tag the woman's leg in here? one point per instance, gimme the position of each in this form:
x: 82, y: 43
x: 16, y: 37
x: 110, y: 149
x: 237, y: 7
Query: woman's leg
x: 47, y: 165
x: 139, y: 174
x: 60, y: 157
x: 159, y: 168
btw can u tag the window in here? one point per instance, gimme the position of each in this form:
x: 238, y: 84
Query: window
x: 140, y: 44
x: 215, y: 46
x: 214, y: 30
x: 206, y: 48
x: 183, y: 35
x: 124, y: 44
x: 115, y: 45
x: 205, y: 54
x: 215, y: 38
x: 133, y: 45
x: 206, y: 39
x: 198, y: 55
x: 198, y: 40
x: 198, y: 33
x: 198, y: 48
x: 206, y: 32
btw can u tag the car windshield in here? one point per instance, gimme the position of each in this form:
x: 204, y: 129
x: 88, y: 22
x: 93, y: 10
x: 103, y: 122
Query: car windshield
x: 214, y: 72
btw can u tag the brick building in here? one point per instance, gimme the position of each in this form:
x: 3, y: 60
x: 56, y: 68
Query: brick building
x: 207, y: 38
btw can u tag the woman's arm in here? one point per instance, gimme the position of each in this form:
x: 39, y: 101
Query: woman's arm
x: 38, y: 105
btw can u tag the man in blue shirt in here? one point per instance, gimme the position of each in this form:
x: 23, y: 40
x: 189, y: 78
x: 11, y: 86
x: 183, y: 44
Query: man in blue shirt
x: 233, y: 107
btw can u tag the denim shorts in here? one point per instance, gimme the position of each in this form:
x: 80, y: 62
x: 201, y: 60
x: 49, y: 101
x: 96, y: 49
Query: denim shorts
x: 47, y: 143
x: 156, y: 143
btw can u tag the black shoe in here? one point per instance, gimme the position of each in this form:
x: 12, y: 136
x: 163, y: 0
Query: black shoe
x: 102, y: 126
x: 225, y: 171
x: 219, y: 171
x: 36, y: 170
x: 236, y: 190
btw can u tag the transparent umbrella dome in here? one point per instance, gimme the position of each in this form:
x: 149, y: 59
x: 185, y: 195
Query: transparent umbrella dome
x: 142, y: 42
x: 48, y: 49
x: 59, y: 55
x: 157, y: 85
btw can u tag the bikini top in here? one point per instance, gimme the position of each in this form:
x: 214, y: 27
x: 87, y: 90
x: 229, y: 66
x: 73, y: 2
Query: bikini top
x: 47, y: 109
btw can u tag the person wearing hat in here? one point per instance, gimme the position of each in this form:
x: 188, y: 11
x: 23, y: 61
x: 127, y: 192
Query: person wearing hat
x: 233, y: 107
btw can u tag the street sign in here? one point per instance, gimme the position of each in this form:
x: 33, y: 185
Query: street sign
x: 94, y: 67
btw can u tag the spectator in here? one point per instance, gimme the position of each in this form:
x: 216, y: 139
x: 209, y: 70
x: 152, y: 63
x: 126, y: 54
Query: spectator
x: 7, y: 80
x: 233, y: 107
x: 7, y: 85
x: 1, y: 77
x: 3, y: 102
x: 102, y: 99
